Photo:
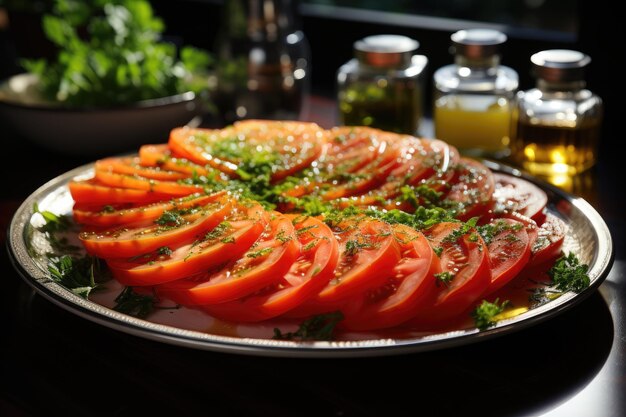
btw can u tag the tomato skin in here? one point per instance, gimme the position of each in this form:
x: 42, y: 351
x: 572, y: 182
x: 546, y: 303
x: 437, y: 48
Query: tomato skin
x: 132, y: 166
x: 226, y: 284
x: 245, y: 226
x: 142, y: 213
x: 514, y: 194
x: 306, y: 277
x: 357, y: 271
x: 92, y: 192
x: 550, y: 237
x: 467, y: 258
x: 170, y: 188
x: 472, y: 189
x: 509, y: 252
x: 411, y: 287
x: 129, y: 240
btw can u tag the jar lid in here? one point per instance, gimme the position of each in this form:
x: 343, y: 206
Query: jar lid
x: 557, y: 65
x: 477, y: 43
x: 385, y: 50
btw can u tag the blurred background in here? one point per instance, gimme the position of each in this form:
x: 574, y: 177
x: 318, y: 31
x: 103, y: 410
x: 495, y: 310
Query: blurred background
x: 332, y: 26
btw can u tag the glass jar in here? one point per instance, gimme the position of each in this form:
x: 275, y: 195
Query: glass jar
x: 382, y: 86
x: 263, y: 68
x: 557, y: 123
x: 473, y: 97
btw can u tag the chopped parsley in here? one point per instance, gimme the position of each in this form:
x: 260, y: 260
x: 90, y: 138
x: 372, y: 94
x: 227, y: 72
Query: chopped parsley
x: 444, y: 278
x: 164, y: 250
x: 320, y: 327
x: 133, y: 304
x: 259, y: 253
x: 485, y: 314
x: 568, y: 274
x: 76, y: 274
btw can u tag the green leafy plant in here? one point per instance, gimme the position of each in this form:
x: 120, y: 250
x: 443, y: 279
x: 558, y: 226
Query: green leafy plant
x: 110, y: 53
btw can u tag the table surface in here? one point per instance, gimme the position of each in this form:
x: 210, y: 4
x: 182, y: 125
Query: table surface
x: 53, y: 362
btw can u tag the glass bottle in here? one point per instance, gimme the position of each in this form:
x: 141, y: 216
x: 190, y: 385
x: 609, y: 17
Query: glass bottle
x: 382, y: 86
x: 263, y: 68
x: 473, y: 97
x: 557, y: 123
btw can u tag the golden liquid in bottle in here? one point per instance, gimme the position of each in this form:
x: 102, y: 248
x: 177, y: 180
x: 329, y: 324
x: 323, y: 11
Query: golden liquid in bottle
x: 550, y: 150
x: 476, y: 125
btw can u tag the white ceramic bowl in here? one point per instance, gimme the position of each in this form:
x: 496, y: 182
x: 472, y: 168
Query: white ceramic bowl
x: 91, y: 130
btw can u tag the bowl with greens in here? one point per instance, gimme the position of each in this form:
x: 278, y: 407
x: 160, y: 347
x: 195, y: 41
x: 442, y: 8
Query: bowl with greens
x: 113, y: 85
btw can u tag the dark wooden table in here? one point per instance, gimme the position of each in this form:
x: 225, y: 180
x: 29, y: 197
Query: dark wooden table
x: 55, y: 363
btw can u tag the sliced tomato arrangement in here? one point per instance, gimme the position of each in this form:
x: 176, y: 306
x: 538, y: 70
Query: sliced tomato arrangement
x: 514, y: 194
x: 265, y: 262
x: 110, y: 216
x: 193, y: 221
x: 177, y: 225
x: 228, y: 240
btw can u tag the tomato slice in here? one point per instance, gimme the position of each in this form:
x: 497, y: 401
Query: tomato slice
x: 136, y: 182
x: 227, y: 241
x: 311, y: 271
x: 92, y: 192
x: 518, y: 195
x: 161, y: 156
x: 427, y: 162
x: 344, y: 184
x: 265, y: 263
x: 509, y: 251
x: 472, y: 189
x: 108, y: 216
x: 466, y: 274
x: 368, y: 253
x: 132, y: 166
x: 411, y: 286
x: 287, y: 146
x: 173, y: 226
x: 550, y: 237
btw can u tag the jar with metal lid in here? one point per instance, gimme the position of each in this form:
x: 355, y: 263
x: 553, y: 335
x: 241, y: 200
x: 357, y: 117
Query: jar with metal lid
x: 382, y: 86
x: 557, y: 123
x: 473, y: 97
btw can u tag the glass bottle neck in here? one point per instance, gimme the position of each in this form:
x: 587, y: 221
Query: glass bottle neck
x: 565, y: 86
x: 477, y: 63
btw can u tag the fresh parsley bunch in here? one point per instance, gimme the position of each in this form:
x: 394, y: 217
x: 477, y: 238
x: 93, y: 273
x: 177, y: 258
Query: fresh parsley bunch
x: 110, y: 54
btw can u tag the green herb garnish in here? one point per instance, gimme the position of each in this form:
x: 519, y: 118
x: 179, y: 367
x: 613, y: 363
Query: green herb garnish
x: 320, y: 327
x: 76, y: 274
x: 484, y: 315
x: 568, y: 274
x: 110, y: 53
x: 133, y: 304
x: 444, y: 278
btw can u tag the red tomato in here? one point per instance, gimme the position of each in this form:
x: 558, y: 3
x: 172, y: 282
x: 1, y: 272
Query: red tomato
x: 108, y: 216
x: 312, y: 270
x: 296, y: 145
x: 228, y: 240
x: 344, y: 184
x: 509, y: 251
x: 135, y: 182
x: 466, y: 274
x: 132, y: 166
x: 411, y: 286
x: 547, y: 245
x: 421, y: 161
x: 92, y: 192
x: 472, y: 189
x: 169, y: 229
x: 368, y: 252
x: 161, y: 156
x: 265, y: 263
x: 515, y: 194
